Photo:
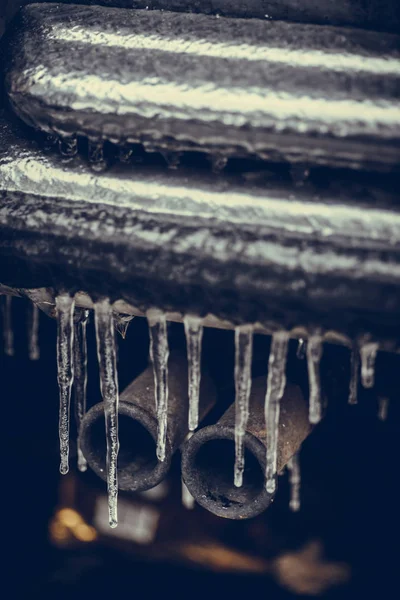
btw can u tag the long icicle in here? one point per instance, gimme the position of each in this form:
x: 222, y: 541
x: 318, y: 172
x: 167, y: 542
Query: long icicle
x: 33, y: 334
x: 80, y: 379
x: 243, y: 359
x: 294, y: 482
x: 368, y: 354
x: 159, y: 352
x: 314, y: 355
x: 194, y: 337
x: 106, y: 353
x: 8, y: 332
x: 65, y: 305
x: 276, y: 383
x: 354, y: 371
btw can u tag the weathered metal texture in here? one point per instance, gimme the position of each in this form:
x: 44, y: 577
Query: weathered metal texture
x: 381, y: 15
x: 248, y: 253
x: 234, y: 87
x: 208, y: 457
x: 138, y: 467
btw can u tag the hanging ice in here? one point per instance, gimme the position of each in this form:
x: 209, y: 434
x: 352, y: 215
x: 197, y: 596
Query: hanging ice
x: 159, y: 353
x: 354, y: 370
x: 314, y: 355
x: 368, y: 356
x: 383, y: 408
x: 34, y: 350
x: 65, y: 305
x: 80, y: 378
x: 187, y: 498
x: 104, y: 323
x: 194, y: 337
x: 301, y: 349
x: 276, y: 383
x: 243, y: 358
x: 8, y: 332
x: 294, y: 482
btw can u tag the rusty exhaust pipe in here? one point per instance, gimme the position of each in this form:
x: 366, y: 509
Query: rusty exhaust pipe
x: 138, y: 467
x: 208, y: 457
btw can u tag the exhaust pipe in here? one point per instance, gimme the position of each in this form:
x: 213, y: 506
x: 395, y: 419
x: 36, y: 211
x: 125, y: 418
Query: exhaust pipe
x: 208, y: 457
x: 138, y: 467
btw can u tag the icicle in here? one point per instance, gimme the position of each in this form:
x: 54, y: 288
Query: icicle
x: 96, y: 156
x: 159, y: 353
x: 172, y: 159
x: 276, y: 383
x: 34, y: 350
x: 383, y: 408
x: 354, y: 370
x: 194, y: 336
x: 104, y: 323
x: 80, y: 379
x: 68, y: 146
x: 187, y: 498
x: 314, y: 355
x: 368, y: 356
x: 65, y: 339
x: 294, y: 482
x: 8, y: 333
x: 243, y: 358
x: 301, y: 349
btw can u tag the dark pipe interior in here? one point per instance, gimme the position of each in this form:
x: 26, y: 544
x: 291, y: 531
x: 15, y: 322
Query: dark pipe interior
x: 137, y: 447
x: 214, y: 463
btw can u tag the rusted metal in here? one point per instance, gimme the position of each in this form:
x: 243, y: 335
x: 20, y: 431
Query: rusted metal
x: 138, y: 467
x: 208, y: 457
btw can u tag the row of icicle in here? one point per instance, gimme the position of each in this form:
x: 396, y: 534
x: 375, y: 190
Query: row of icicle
x: 72, y: 374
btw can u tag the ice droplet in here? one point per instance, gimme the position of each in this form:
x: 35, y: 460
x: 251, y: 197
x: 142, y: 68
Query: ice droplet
x: 80, y: 378
x: 294, y: 482
x: 33, y: 333
x: 276, y: 383
x: 243, y: 359
x: 159, y: 352
x: 104, y: 324
x: 368, y: 357
x: 65, y: 305
x: 194, y: 337
x: 314, y: 355
x: 354, y: 371
x: 8, y: 332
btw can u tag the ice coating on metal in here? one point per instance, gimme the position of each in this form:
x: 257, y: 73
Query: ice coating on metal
x: 65, y: 305
x: 159, y: 352
x: 314, y: 355
x: 276, y: 383
x: 80, y: 380
x: 104, y: 323
x: 294, y: 482
x: 368, y: 354
x: 243, y: 359
x: 354, y: 374
x: 194, y: 337
x: 8, y: 332
x: 33, y: 334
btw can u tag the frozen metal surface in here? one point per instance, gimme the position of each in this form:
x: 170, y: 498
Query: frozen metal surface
x: 199, y: 245
x: 374, y: 14
x: 231, y: 86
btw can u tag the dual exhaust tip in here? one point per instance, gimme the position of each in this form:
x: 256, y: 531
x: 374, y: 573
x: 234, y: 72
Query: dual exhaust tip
x: 208, y: 457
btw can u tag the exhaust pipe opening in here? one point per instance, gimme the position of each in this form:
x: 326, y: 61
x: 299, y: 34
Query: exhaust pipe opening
x: 138, y: 466
x: 208, y: 464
